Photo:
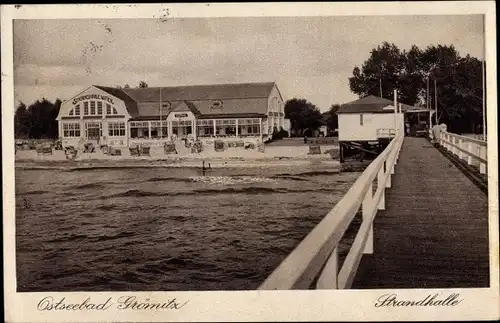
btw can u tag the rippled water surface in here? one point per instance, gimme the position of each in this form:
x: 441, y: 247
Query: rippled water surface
x: 165, y: 229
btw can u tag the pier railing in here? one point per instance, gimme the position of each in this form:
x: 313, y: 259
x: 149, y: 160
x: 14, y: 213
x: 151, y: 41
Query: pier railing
x: 473, y: 150
x: 314, y: 263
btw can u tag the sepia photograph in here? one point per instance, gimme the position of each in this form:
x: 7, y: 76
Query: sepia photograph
x: 228, y: 153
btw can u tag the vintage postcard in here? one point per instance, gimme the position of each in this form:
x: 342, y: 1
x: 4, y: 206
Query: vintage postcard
x: 250, y: 162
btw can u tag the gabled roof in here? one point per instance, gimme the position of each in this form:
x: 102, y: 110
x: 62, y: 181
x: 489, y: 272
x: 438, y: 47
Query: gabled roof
x: 371, y: 104
x: 130, y: 104
x: 201, y: 92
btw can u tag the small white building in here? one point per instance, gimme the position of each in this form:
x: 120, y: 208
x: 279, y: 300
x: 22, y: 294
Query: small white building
x: 367, y: 125
x: 369, y: 119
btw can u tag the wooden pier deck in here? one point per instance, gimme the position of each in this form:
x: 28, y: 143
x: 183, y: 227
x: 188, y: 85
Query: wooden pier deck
x: 433, y: 232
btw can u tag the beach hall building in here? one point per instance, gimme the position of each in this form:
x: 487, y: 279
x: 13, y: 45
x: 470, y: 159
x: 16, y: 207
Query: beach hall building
x: 154, y: 115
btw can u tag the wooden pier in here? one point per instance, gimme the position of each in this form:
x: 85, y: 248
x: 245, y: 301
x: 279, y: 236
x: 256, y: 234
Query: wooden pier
x: 434, y: 230
x: 424, y: 225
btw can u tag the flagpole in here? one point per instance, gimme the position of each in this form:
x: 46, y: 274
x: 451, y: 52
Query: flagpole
x: 161, y: 121
x: 436, y: 99
x: 483, y: 62
x: 427, y: 103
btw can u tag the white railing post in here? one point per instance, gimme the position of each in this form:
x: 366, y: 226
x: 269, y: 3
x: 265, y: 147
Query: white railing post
x: 482, y: 154
x: 387, y: 171
x: 329, y: 276
x: 381, y: 186
x: 470, y: 146
x: 367, y: 211
x: 460, y: 154
x: 447, y: 139
x: 393, y: 164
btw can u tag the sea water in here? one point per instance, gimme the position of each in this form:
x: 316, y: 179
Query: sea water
x: 165, y: 229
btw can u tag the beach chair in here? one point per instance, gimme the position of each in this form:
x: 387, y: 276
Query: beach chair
x: 89, y: 148
x: 115, y: 152
x: 39, y: 150
x: 219, y: 145
x: 314, y: 150
x: 169, y: 148
x: 70, y: 152
x: 145, y: 151
x: 47, y: 150
x: 134, y: 151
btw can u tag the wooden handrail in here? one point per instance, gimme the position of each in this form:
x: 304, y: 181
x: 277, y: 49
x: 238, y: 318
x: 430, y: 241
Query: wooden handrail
x: 466, y: 148
x: 316, y: 257
x: 474, y: 140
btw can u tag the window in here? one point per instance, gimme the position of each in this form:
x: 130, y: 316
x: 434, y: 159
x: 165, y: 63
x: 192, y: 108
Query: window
x: 182, y: 127
x: 248, y: 127
x: 216, y: 105
x: 99, y: 108
x: 159, y: 129
x: 114, y: 111
x: 205, y: 128
x: 86, y: 108
x: 77, y: 110
x: 225, y: 127
x: 92, y: 108
x: 71, y: 130
x: 108, y: 109
x: 139, y: 129
x: 71, y: 112
x: 93, y: 130
x: 361, y: 119
x: 116, y: 129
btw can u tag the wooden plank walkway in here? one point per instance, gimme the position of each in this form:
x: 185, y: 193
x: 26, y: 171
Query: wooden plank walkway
x: 434, y: 231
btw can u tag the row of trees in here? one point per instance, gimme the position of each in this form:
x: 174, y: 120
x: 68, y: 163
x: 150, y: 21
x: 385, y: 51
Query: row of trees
x: 141, y: 85
x: 458, y: 81
x: 38, y: 120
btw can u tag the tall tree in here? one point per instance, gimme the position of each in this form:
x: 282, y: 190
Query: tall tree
x: 331, y: 118
x: 21, y: 121
x: 303, y: 115
x: 379, y: 74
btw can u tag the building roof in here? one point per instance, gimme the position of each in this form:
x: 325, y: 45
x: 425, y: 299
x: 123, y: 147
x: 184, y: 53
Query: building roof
x: 237, y: 99
x: 201, y: 92
x: 129, y: 102
x: 371, y: 104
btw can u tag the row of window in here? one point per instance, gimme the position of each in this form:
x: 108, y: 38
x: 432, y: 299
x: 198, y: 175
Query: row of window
x: 208, y: 131
x: 142, y: 129
x: 115, y: 129
x: 93, y: 108
x: 227, y: 122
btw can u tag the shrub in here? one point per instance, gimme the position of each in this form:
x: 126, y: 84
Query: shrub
x: 279, y: 134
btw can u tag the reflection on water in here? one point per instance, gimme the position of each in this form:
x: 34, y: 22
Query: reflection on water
x: 165, y: 229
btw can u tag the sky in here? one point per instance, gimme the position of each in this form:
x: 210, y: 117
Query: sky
x: 308, y: 57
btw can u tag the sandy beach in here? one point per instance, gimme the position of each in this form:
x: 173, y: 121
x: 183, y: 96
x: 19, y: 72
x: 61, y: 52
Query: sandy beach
x: 274, y: 156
